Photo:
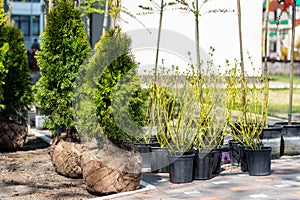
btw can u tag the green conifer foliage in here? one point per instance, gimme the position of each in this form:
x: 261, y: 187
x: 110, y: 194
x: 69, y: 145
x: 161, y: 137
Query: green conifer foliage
x: 3, y: 71
x: 17, y: 88
x: 111, y: 74
x: 118, y: 103
x: 64, y: 47
x: 15, y: 80
x: 3, y: 50
x: 2, y: 14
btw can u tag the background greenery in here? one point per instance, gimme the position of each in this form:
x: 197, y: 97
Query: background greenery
x: 279, y: 98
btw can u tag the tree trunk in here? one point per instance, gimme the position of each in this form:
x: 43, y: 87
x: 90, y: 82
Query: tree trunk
x: 292, y: 66
x: 243, y: 85
x: 106, y: 16
x: 158, y: 38
x: 266, y: 73
x: 196, y: 13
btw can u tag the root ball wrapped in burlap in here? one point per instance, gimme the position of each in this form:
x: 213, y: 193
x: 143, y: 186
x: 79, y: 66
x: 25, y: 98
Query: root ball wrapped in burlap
x: 65, y: 154
x: 111, y: 170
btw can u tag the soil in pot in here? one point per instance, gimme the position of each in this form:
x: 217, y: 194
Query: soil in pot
x: 159, y: 160
x: 259, y: 161
x: 203, y: 165
x: 181, y: 168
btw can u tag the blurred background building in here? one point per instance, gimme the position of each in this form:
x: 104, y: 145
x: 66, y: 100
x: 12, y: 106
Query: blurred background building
x: 29, y: 16
x: 279, y: 29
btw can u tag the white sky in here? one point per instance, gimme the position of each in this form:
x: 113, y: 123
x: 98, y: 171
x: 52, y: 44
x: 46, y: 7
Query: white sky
x: 219, y: 30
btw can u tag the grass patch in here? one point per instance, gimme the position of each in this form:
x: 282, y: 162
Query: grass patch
x: 279, y: 101
x: 284, y: 78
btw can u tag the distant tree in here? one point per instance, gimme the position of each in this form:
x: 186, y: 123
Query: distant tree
x: 157, y: 7
x: 64, y: 47
x: 194, y: 7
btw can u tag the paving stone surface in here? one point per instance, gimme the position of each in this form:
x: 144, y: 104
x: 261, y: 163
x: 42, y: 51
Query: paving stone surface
x: 231, y: 183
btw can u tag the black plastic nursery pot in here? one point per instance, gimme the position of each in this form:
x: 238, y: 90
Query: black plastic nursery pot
x: 243, y: 158
x: 144, y: 149
x: 235, y: 156
x: 272, y: 137
x: 159, y: 160
x: 203, y: 166
x: 259, y: 161
x: 217, y: 159
x: 285, y: 123
x: 291, y: 138
x: 181, y: 168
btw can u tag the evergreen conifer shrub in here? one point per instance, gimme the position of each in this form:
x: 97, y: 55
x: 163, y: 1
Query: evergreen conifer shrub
x: 3, y: 50
x: 64, y: 47
x: 15, y: 80
x: 111, y: 91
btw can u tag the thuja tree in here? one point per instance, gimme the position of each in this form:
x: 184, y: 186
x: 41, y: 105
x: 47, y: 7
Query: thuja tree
x: 3, y: 71
x: 16, y: 85
x: 3, y: 50
x: 113, y: 91
x: 64, y: 47
x: 118, y: 103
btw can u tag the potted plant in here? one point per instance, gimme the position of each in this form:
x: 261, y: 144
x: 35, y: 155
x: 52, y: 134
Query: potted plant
x: 157, y: 123
x: 291, y: 131
x: 59, y: 69
x: 159, y: 161
x: 146, y: 139
x: 175, y: 109
x: 245, y: 116
x: 211, y: 122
